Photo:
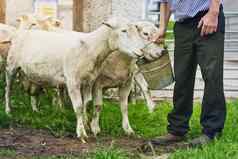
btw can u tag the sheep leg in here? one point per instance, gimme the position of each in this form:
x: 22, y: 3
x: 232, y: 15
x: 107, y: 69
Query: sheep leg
x: 124, y: 94
x: 97, y: 101
x: 86, y: 98
x: 76, y: 98
x: 141, y: 82
x: 34, y: 103
x: 10, y: 72
x: 132, y: 95
x: 60, y: 97
x: 34, y: 92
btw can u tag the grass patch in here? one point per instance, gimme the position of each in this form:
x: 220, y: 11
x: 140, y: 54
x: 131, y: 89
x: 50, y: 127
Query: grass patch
x: 8, y: 153
x: 61, y: 122
x: 224, y: 148
x: 110, y: 153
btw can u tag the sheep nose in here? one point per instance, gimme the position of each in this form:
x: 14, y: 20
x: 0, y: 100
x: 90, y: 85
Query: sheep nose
x: 164, y: 51
x: 142, y: 50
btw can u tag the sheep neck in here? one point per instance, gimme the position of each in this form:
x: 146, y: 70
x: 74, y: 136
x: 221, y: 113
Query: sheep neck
x: 102, y: 50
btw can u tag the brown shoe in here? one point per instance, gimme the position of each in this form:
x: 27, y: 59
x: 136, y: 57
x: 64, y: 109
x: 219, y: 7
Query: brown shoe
x: 150, y: 146
x: 200, y: 141
x: 167, y: 139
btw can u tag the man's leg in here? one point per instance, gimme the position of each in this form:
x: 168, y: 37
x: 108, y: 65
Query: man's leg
x: 210, y: 52
x: 185, y: 65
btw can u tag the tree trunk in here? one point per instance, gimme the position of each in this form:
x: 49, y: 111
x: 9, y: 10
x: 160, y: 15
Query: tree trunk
x: 78, y: 15
x: 2, y: 11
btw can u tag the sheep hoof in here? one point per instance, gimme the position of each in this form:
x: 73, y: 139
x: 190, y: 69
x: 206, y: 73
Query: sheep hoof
x: 130, y: 132
x: 83, y: 140
x: 8, y: 111
x: 36, y: 110
x: 95, y: 128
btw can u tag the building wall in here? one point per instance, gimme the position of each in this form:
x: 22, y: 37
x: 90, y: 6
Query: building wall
x: 16, y: 8
x: 95, y: 11
x: 231, y: 5
x: 132, y: 9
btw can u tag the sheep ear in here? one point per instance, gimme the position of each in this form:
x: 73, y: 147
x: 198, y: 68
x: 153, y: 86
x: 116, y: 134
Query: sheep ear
x: 58, y: 23
x: 19, y: 19
x: 116, y: 22
x: 138, y: 27
x: 22, y: 18
x: 112, y: 22
x: 107, y: 24
x: 25, y: 17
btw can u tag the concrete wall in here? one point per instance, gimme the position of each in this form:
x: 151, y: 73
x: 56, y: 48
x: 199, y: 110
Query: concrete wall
x: 132, y: 9
x: 96, y: 11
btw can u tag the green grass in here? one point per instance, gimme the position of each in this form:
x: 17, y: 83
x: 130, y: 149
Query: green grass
x: 98, y: 154
x: 170, y: 28
x: 225, y: 148
x: 62, y: 122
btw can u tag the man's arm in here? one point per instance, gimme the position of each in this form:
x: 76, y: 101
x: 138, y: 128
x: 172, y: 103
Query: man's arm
x: 209, y: 22
x: 165, y: 14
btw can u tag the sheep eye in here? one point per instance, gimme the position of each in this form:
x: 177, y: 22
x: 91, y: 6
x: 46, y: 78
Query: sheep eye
x: 124, y: 31
x: 146, y: 34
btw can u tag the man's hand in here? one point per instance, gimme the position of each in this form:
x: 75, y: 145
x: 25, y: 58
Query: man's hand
x: 159, y: 37
x: 208, y: 23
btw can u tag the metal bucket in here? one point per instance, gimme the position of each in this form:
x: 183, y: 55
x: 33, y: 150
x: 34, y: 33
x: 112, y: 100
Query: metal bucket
x: 158, y: 73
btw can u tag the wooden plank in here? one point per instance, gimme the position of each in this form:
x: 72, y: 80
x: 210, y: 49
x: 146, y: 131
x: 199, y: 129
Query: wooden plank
x: 2, y: 11
x: 78, y: 15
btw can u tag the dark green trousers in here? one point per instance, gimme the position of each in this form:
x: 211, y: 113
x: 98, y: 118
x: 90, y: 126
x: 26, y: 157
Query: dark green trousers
x: 192, y: 50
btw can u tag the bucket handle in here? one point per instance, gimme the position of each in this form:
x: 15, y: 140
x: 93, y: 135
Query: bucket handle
x: 160, y: 67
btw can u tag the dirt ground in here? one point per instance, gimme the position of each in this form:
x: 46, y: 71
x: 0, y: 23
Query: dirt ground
x: 30, y: 142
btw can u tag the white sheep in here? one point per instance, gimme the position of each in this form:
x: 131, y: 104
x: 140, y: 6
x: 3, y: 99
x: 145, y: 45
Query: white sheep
x: 119, y: 70
x: 27, y: 21
x: 50, y: 58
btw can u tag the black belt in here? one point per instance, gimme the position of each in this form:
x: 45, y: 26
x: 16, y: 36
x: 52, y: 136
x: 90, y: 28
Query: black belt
x: 196, y: 18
